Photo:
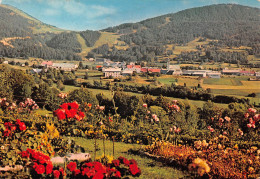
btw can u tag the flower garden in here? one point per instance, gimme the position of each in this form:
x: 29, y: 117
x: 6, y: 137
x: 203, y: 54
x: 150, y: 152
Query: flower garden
x: 225, y: 146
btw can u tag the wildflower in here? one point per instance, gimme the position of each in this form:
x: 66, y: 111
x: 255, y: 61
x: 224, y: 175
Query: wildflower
x: 49, y: 168
x: 246, y: 115
x: 72, y: 166
x: 116, y: 163
x: 56, y: 173
x: 74, y: 105
x: 40, y: 169
x: 252, y: 110
x: 145, y: 105
x: 76, y: 172
x: 249, y: 125
x: 201, y: 165
x: 224, y: 133
x: 134, y: 170
x: 117, y: 174
x: 227, y: 119
x: 221, y: 120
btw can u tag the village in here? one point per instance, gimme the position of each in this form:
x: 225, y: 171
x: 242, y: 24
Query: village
x: 113, y: 69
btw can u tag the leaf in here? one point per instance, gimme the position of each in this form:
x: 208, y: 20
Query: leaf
x: 23, y: 147
x: 17, y: 135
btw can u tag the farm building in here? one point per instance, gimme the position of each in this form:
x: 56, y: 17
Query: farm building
x: 136, y: 68
x: 47, y: 64
x: 173, y: 69
x: 36, y: 71
x: 127, y: 72
x: 65, y: 66
x: 201, y: 73
x: 247, y: 73
x: 230, y: 72
x: 113, y: 72
x: 214, y: 75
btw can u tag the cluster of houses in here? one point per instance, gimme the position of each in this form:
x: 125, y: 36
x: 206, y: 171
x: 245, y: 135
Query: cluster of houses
x: 117, y: 69
x: 60, y: 66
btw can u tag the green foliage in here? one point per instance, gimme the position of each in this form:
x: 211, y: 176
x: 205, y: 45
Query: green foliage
x: 82, y: 96
x: 90, y: 37
x: 14, y: 83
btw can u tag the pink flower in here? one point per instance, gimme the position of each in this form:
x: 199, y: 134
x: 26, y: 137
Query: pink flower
x: 175, y: 101
x: 154, y: 116
x: 178, y: 130
x: 211, y: 130
x: 221, y: 120
x: 246, y: 115
x: 224, y: 133
x: 101, y: 108
x: 252, y: 110
x: 227, y: 119
x: 145, y: 105
x: 249, y: 125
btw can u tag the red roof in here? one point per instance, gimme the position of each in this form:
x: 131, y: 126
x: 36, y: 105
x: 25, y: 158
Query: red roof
x: 133, y: 66
x: 48, y: 63
x: 144, y: 69
x: 250, y: 72
x: 154, y: 70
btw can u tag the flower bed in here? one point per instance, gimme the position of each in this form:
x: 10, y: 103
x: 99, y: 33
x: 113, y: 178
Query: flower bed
x: 210, y: 159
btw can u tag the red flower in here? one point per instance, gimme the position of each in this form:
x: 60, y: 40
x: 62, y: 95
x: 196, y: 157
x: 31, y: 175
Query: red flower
x: 7, y: 125
x: 116, y: 163
x: 132, y: 161
x: 68, y: 114
x: 76, y: 172
x: 60, y: 113
x: 72, y: 166
x: 62, y: 171
x: 13, y: 128
x: 98, y: 175
x: 134, y: 170
x: 118, y: 174
x: 74, y: 105
x: 49, y: 168
x: 73, y: 112
x: 24, y: 154
x: 121, y: 159
x: 64, y: 106
x: 126, y: 162
x: 81, y: 114
x: 56, y: 173
x: 22, y: 126
x: 40, y: 169
x: 7, y: 133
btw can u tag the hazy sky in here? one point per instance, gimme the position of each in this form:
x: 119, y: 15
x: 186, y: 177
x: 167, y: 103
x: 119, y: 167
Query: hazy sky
x: 99, y: 14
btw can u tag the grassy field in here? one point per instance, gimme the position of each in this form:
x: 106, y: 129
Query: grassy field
x: 223, y: 81
x: 149, y: 167
x: 105, y: 38
x: 169, y: 79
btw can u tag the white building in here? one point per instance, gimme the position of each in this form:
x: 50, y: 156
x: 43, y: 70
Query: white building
x: 173, y: 69
x: 113, y: 72
x: 65, y: 66
x: 214, y: 75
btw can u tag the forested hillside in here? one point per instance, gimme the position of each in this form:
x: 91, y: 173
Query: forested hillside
x: 225, y: 25
x: 231, y: 25
x: 22, y: 36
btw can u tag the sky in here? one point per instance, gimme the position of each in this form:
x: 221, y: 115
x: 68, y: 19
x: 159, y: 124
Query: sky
x: 99, y: 14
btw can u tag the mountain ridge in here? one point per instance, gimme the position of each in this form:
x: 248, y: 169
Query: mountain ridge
x: 231, y: 24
